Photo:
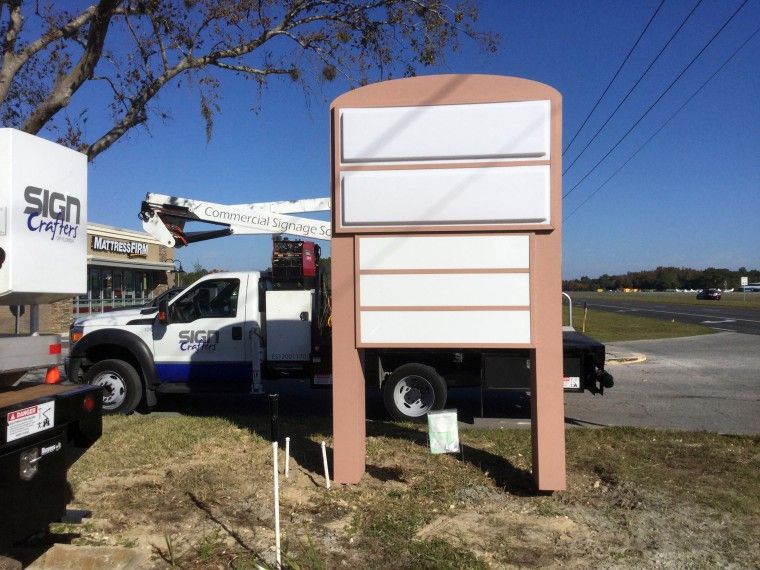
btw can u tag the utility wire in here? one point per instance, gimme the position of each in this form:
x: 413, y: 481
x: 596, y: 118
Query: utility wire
x: 666, y: 123
x: 641, y: 77
x: 630, y: 51
x: 667, y: 89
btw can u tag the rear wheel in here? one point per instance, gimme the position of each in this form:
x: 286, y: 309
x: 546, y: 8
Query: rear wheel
x: 413, y: 390
x: 122, y: 389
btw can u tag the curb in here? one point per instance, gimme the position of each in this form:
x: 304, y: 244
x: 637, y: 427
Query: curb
x: 632, y: 359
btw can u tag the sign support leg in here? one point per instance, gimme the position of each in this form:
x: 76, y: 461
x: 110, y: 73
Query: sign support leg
x: 349, y: 410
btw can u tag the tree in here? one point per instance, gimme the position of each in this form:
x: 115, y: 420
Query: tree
x: 127, y: 51
x: 197, y: 272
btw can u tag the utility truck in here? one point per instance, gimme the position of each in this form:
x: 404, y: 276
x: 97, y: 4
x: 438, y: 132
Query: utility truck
x: 46, y: 426
x: 227, y: 331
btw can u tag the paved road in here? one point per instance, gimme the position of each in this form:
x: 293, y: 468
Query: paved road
x: 737, y: 319
x: 709, y: 382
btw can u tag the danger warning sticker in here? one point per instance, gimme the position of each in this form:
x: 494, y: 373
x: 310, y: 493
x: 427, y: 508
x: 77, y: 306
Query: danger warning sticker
x: 572, y: 382
x: 27, y: 421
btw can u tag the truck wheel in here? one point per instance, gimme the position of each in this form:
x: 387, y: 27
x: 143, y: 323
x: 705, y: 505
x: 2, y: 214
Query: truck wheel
x: 413, y: 390
x: 122, y: 389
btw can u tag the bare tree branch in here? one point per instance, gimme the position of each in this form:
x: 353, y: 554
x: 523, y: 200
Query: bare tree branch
x: 66, y: 31
x: 12, y: 61
x: 14, y: 7
x: 138, y: 47
x: 251, y: 70
x: 159, y: 42
x: 136, y: 113
x: 66, y: 87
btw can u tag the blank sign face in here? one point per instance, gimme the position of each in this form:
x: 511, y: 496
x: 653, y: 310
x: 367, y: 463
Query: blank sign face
x: 484, y: 131
x: 444, y: 252
x: 445, y: 290
x: 445, y: 328
x: 464, y: 196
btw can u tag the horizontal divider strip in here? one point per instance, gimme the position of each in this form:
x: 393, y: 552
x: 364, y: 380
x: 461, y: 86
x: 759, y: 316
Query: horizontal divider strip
x: 444, y: 345
x: 345, y: 167
x: 519, y: 228
x: 505, y: 308
x: 441, y: 271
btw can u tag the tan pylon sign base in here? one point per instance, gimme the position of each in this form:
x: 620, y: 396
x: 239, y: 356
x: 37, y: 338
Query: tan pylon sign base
x: 446, y: 194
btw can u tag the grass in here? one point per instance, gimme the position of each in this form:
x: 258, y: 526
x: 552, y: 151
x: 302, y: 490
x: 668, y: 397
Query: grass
x: 615, y: 327
x: 635, y: 497
x: 750, y: 300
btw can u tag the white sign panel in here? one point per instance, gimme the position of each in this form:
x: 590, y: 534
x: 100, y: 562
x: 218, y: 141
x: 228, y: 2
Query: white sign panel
x: 425, y: 252
x: 445, y: 290
x: 445, y: 327
x: 463, y: 196
x: 745, y: 281
x: 483, y: 131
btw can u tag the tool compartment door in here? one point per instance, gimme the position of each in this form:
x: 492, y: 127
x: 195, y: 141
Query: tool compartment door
x: 288, y: 325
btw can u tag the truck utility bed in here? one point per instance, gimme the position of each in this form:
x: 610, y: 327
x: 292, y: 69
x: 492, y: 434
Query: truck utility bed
x: 574, y: 339
x: 45, y: 429
x: 27, y: 393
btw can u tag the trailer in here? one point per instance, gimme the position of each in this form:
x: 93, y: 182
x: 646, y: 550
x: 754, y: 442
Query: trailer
x: 44, y: 427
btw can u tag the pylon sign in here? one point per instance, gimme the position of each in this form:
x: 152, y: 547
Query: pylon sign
x: 446, y: 195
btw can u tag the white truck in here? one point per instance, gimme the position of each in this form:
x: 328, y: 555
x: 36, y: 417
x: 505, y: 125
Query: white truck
x: 43, y: 256
x: 228, y: 330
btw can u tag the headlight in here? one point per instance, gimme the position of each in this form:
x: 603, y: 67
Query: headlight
x: 75, y: 333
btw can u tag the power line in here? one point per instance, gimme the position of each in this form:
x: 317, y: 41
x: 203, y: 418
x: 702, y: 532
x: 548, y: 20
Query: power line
x: 669, y: 87
x: 666, y: 123
x: 630, y: 51
x: 641, y: 77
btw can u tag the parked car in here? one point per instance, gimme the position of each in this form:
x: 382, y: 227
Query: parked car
x: 709, y: 294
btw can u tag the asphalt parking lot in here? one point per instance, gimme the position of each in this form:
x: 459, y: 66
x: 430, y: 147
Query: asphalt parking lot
x: 709, y: 382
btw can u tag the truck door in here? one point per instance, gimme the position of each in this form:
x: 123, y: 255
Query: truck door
x: 204, y: 342
x: 288, y: 325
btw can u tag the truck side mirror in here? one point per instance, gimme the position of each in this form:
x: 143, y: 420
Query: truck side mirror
x: 163, y: 312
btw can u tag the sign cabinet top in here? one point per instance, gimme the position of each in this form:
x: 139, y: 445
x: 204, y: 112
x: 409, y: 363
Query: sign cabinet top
x: 447, y: 152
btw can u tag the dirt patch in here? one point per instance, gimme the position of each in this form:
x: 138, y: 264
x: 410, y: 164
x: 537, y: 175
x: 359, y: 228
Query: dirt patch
x: 634, y: 498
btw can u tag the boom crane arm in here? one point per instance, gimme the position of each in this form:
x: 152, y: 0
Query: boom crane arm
x: 164, y: 218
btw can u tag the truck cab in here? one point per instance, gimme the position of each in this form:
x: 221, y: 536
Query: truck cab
x: 207, y: 338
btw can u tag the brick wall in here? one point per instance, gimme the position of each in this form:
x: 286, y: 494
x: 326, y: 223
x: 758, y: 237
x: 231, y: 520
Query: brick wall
x: 54, y: 318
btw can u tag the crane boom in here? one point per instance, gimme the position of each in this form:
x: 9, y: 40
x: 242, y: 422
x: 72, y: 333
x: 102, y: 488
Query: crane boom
x: 164, y: 218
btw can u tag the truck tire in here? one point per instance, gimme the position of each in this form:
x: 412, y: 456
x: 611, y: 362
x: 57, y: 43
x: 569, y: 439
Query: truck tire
x: 122, y: 388
x: 413, y: 390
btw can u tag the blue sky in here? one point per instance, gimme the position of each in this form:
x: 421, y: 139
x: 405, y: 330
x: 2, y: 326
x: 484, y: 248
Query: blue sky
x: 691, y: 197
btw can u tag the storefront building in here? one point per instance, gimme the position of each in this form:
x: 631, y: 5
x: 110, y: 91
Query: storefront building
x: 124, y: 268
